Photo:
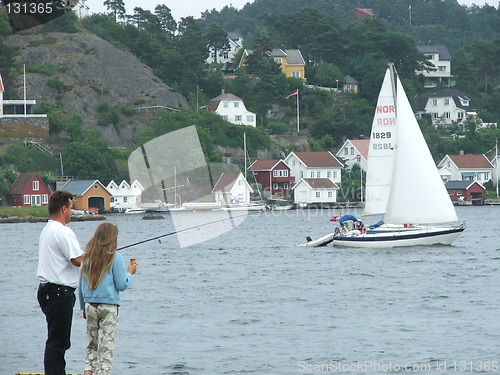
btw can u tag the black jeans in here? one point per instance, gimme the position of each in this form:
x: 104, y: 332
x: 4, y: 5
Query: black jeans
x: 56, y: 302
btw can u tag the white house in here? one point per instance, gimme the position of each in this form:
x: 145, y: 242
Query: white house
x: 235, y: 44
x: 315, y: 191
x: 466, y: 168
x: 125, y: 195
x: 321, y: 164
x: 446, y: 107
x: 355, y: 151
x: 232, y: 109
x: 232, y: 188
x: 439, y: 56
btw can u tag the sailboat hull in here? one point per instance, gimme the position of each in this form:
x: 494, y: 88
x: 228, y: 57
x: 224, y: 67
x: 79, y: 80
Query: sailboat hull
x: 386, y: 237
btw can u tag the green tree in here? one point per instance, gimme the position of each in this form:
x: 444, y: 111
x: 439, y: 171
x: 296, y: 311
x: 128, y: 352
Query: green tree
x: 218, y: 42
x: 117, y: 8
x: 167, y: 22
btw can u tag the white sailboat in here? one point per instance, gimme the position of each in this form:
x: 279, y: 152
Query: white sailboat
x: 418, y: 209
x: 381, y: 151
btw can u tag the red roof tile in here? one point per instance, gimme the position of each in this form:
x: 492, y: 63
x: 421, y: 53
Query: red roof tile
x: 263, y: 165
x: 226, y: 182
x: 362, y: 145
x: 321, y: 183
x: 20, y: 183
x: 319, y: 159
x: 471, y: 161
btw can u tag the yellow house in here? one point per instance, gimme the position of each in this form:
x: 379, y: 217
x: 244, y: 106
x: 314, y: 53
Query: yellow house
x: 291, y: 61
x: 89, y: 195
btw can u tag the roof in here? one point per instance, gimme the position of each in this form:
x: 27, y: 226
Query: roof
x: 233, y: 35
x: 440, y: 49
x: 362, y: 145
x: 447, y: 93
x: 460, y: 185
x: 20, y: 183
x: 226, y: 182
x: 350, y: 81
x: 214, y: 103
x: 318, y: 159
x: 363, y: 12
x: 320, y: 183
x: 293, y: 56
x: 79, y: 187
x: 264, y: 165
x: 471, y: 161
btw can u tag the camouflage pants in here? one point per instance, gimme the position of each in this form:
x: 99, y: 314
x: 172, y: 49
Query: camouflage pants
x: 102, y: 323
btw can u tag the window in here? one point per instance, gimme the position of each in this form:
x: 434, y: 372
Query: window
x: 460, y: 115
x: 285, y: 186
x: 275, y: 186
x: 434, y: 102
x: 318, y: 194
x: 318, y: 174
x: 27, y: 199
x: 334, y: 174
x: 225, y: 118
x: 352, y: 150
x: 278, y: 60
x: 330, y: 194
x: 275, y: 173
x: 36, y: 185
x: 250, y: 118
x: 346, y: 151
x: 447, y: 101
x: 125, y: 199
x: 237, y: 118
x: 442, y: 68
x: 236, y: 104
x: 329, y: 174
x: 312, y: 174
x: 447, y: 115
x: 280, y: 173
x: 296, y: 73
x: 45, y: 198
x: 225, y: 104
x: 435, y: 115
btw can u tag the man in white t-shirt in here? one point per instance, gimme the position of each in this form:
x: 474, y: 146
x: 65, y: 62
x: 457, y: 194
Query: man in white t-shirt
x: 58, y: 273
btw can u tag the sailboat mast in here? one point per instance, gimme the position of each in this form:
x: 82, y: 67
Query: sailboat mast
x: 245, y: 152
x: 392, y: 71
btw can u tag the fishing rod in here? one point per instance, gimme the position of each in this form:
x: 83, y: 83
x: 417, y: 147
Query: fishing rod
x: 182, y: 230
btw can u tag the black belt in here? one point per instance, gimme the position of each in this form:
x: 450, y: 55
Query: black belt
x: 51, y: 286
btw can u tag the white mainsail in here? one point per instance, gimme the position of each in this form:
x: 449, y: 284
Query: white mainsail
x: 417, y: 194
x: 381, y: 151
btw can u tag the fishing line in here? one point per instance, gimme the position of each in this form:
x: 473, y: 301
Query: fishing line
x: 183, y: 230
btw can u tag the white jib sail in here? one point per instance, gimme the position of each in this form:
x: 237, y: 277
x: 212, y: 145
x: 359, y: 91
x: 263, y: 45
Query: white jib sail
x: 418, y: 194
x: 381, y: 152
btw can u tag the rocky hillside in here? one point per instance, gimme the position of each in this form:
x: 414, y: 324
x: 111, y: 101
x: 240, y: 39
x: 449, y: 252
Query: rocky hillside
x: 80, y: 71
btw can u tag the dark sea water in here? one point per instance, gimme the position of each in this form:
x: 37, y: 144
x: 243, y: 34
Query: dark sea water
x: 252, y: 301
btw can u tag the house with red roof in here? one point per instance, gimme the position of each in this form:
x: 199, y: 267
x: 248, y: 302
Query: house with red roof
x: 319, y: 164
x: 465, y: 192
x: 28, y: 190
x: 354, y: 151
x: 232, y: 188
x: 232, y: 109
x: 315, y: 191
x: 466, y: 168
x: 274, y: 178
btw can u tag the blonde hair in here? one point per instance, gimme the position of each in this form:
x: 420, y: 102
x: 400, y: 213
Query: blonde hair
x: 100, y: 253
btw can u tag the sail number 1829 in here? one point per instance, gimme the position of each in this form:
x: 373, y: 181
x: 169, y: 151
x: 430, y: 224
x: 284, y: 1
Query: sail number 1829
x: 381, y: 136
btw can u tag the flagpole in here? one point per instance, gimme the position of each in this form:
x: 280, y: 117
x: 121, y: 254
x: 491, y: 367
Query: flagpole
x: 298, y: 117
x: 24, y: 89
x: 496, y: 160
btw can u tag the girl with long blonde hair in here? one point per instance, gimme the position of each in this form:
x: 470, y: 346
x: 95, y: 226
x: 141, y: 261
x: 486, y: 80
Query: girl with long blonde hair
x: 103, y: 277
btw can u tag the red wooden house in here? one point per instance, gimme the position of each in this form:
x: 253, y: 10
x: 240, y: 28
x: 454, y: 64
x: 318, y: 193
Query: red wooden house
x: 465, y: 192
x: 274, y: 178
x: 28, y: 190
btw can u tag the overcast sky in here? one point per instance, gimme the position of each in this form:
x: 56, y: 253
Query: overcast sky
x: 179, y: 8
x: 185, y: 8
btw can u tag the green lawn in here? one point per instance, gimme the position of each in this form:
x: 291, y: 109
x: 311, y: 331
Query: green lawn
x: 24, y: 211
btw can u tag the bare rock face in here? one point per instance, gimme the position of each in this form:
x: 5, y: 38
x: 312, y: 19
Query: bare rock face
x: 85, y: 71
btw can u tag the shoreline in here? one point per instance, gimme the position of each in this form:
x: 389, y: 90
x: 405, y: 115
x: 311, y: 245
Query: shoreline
x: 36, y: 219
